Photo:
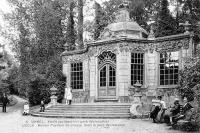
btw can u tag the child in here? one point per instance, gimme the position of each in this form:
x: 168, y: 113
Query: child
x: 26, y: 109
x: 42, y: 107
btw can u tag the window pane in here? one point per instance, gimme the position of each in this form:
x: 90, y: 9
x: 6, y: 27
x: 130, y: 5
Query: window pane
x: 169, y: 68
x: 76, y: 75
x: 137, y: 68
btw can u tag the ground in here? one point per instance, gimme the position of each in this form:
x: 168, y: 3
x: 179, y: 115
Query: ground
x: 14, y: 122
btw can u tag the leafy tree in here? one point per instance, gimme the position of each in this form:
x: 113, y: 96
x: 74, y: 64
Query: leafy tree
x: 189, y: 83
x: 98, y: 25
x: 165, y: 24
x: 40, y: 43
x: 80, y: 25
x: 24, y: 59
x: 191, y: 13
x: 13, y: 79
x: 70, y: 35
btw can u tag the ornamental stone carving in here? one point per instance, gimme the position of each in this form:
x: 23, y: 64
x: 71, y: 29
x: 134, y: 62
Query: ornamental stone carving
x: 75, y: 58
x: 106, y: 56
x: 133, y: 47
x: 124, y: 47
x: 161, y: 46
x: 151, y: 47
x: 97, y: 50
x: 174, y: 45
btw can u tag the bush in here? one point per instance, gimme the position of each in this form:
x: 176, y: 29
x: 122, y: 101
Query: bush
x: 40, y: 90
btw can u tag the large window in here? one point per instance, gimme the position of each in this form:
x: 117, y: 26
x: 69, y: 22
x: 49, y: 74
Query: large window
x: 169, y: 68
x: 137, y: 68
x: 77, y: 75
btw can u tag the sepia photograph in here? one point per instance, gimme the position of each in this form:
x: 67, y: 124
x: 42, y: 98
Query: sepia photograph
x: 100, y: 66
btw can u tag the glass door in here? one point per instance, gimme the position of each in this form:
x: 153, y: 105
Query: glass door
x: 107, y: 81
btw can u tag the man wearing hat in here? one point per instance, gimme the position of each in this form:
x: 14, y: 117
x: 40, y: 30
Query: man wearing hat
x: 5, y: 102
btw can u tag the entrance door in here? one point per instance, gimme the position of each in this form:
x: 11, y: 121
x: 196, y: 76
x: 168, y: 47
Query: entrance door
x: 107, y: 81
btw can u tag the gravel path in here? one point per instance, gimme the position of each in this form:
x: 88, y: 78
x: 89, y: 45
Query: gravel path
x: 14, y: 122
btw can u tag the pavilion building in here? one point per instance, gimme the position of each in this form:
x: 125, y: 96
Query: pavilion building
x: 106, y: 69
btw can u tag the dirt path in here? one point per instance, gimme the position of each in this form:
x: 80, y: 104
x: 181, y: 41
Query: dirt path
x: 18, y: 107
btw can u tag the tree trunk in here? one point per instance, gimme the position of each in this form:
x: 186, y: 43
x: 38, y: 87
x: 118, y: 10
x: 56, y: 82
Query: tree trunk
x: 80, y: 24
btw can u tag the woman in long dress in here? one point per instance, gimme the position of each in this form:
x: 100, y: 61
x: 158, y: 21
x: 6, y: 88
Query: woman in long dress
x: 68, y: 95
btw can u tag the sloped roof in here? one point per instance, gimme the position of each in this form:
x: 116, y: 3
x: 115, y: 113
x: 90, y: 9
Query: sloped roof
x: 125, y: 26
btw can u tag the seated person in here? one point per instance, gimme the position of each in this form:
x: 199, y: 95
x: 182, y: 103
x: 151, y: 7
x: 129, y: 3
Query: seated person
x: 161, y: 113
x: 42, y: 107
x: 186, y: 107
x: 26, y: 109
x: 173, y: 112
x: 155, y: 109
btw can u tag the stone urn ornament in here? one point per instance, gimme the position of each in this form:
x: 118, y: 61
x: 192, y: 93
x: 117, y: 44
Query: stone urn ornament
x: 53, y: 95
x: 136, y: 100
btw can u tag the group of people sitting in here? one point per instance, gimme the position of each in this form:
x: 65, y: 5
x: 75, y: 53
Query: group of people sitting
x: 171, y: 116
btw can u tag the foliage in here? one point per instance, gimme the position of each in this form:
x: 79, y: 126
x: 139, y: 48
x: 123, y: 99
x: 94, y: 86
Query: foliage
x: 98, y: 22
x: 70, y: 29
x: 141, y: 11
x: 165, y: 24
x: 80, y: 24
x: 144, y: 11
x: 190, y: 80
x: 40, y: 43
x: 13, y: 79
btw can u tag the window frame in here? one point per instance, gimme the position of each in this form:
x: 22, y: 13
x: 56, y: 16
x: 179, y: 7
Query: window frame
x: 143, y: 64
x: 159, y: 71
x: 77, y: 77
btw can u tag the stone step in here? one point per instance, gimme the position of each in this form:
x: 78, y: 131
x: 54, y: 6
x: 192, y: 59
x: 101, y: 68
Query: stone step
x: 81, y: 111
x: 86, y: 113
x: 105, y: 110
x: 82, y: 115
x: 90, y: 108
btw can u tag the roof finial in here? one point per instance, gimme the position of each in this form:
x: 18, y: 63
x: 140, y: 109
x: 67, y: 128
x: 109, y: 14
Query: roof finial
x: 151, y: 34
x: 125, y: 4
x: 186, y: 26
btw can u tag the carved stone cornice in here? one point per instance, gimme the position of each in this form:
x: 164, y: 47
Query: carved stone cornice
x: 136, y: 47
x: 173, y: 45
x: 97, y: 50
x: 92, y: 51
x: 74, y: 58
